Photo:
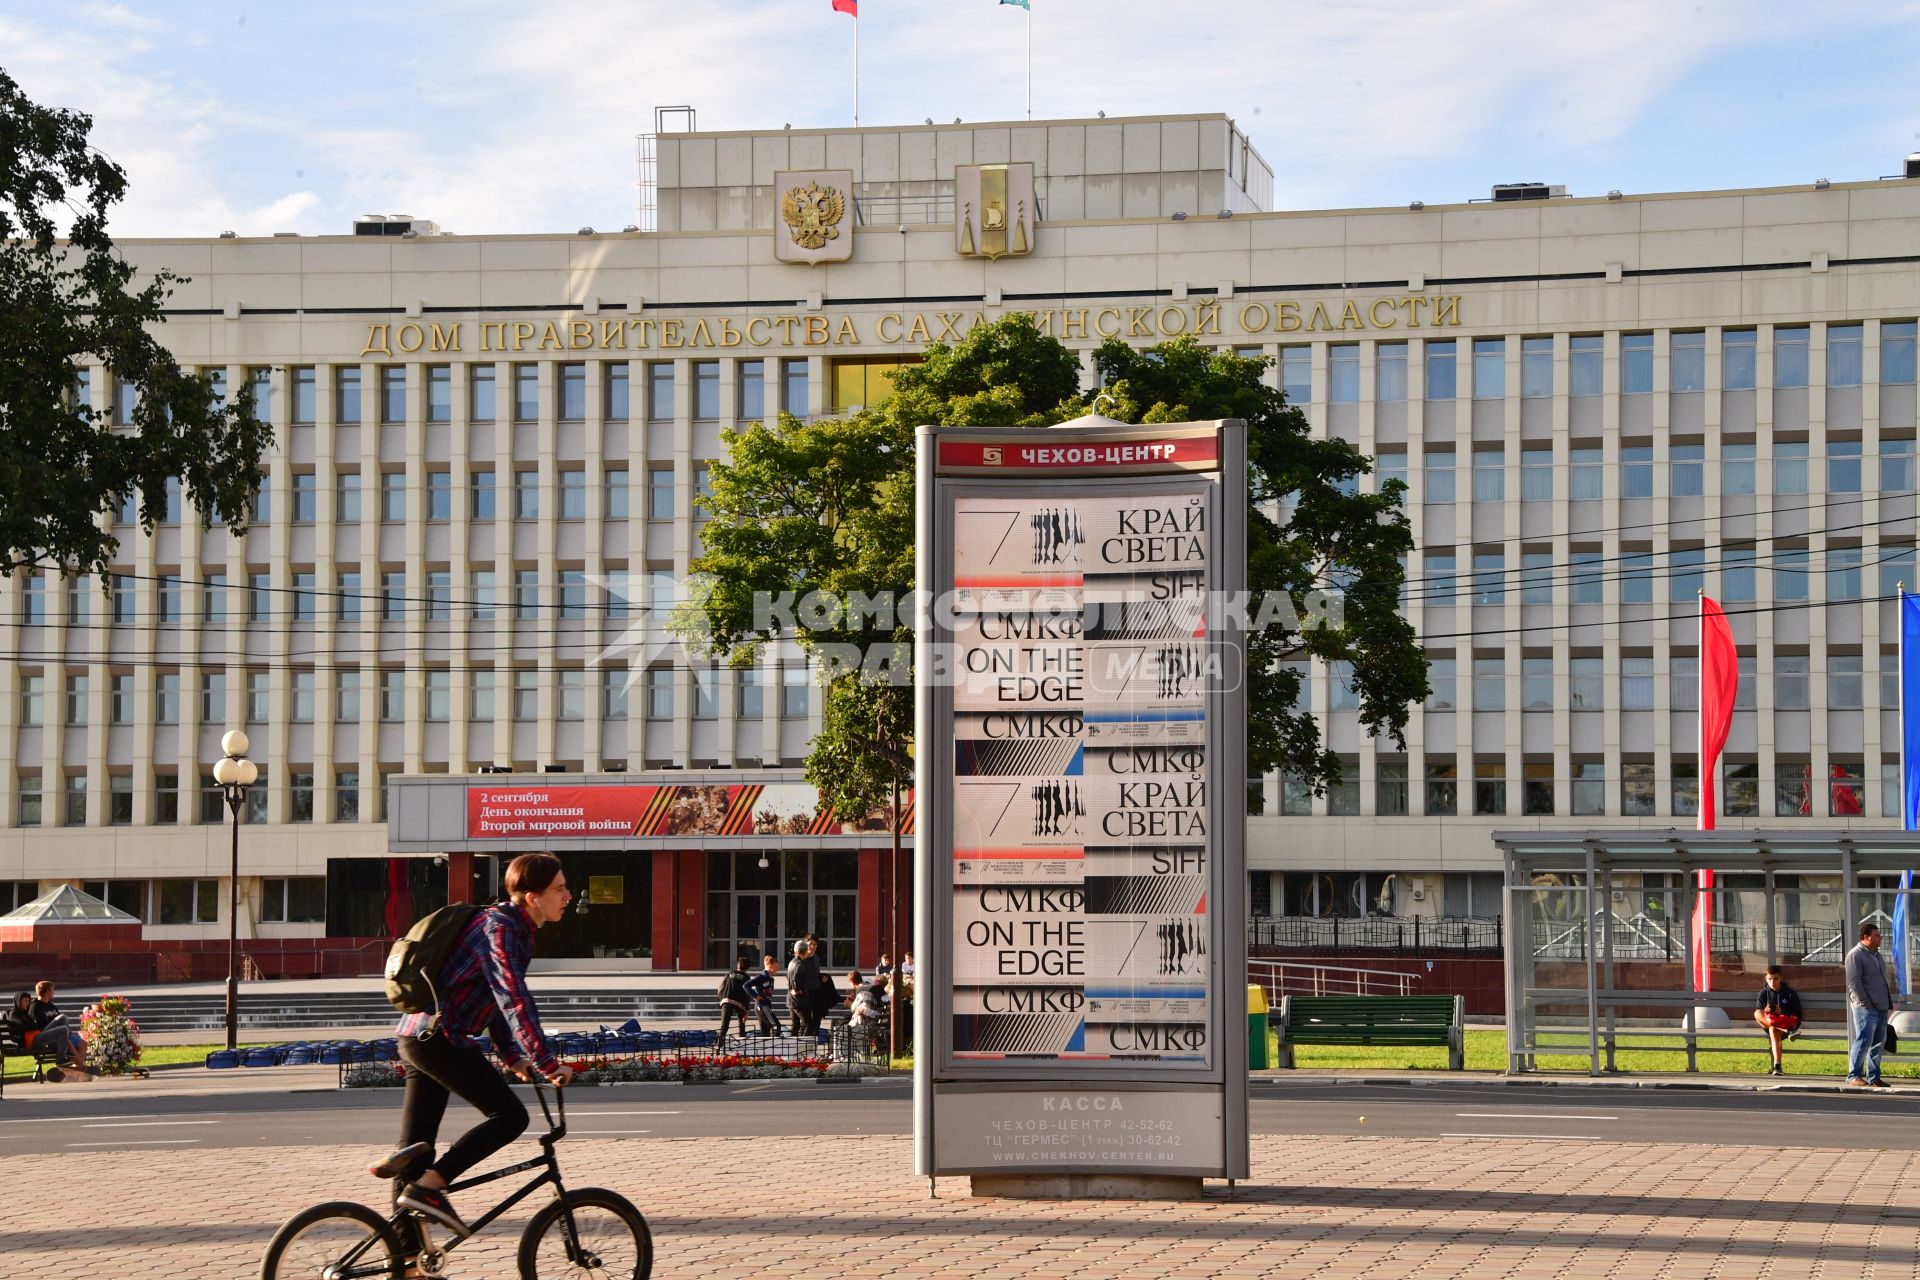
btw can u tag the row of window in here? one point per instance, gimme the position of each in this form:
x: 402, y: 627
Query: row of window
x: 283, y: 899
x: 481, y: 689
x: 30, y: 810
x: 390, y: 391
x: 483, y: 496
x: 1791, y: 468
x: 1438, y: 378
x: 1584, y: 687
x: 1793, y: 790
x: 1730, y: 573
x: 614, y: 594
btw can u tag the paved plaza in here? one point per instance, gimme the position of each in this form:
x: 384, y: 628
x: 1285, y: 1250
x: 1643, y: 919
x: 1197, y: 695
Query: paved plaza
x: 845, y: 1206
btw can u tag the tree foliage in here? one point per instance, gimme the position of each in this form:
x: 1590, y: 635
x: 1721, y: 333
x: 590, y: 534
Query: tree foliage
x: 62, y: 464
x: 827, y: 506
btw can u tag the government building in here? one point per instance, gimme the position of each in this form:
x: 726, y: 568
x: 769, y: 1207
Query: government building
x: 443, y: 631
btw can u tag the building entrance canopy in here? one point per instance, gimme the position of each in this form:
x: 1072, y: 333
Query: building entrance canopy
x: 1600, y: 955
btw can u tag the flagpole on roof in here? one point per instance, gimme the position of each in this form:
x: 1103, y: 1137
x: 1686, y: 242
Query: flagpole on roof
x: 856, y: 70
x: 1029, y: 62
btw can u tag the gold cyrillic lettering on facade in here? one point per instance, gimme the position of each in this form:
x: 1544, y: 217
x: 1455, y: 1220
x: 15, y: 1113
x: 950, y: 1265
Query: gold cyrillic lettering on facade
x: 729, y: 336
x: 1178, y: 313
x: 817, y: 330
x: 1286, y: 317
x: 761, y: 336
x: 701, y: 335
x: 1446, y: 310
x: 1350, y: 316
x: 918, y: 331
x: 1413, y: 302
x: 522, y: 332
x: 1206, y: 317
x: 670, y: 336
x: 613, y: 335
x: 447, y: 339
x: 1320, y: 319
x: 580, y: 335
x: 844, y: 334
x: 550, y: 339
x: 379, y: 341
x: 419, y: 337
x: 1100, y: 322
x: 1255, y: 317
x: 949, y: 325
x: 642, y: 329
x: 787, y: 325
x: 1073, y: 324
x: 1138, y: 318
x: 493, y: 335
x: 880, y: 327
x: 1373, y: 313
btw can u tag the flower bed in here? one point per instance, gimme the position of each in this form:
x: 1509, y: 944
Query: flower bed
x: 686, y: 1069
x: 112, y: 1036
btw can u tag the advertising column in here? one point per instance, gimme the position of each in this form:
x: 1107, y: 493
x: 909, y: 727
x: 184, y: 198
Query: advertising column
x: 1081, y: 761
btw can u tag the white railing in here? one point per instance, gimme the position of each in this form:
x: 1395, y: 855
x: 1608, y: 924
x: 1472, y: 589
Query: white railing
x: 1294, y: 978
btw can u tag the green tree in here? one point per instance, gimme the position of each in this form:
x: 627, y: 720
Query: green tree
x: 63, y: 465
x: 827, y: 507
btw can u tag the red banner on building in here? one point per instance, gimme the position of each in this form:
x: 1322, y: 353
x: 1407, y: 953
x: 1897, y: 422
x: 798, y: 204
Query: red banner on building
x: 614, y: 812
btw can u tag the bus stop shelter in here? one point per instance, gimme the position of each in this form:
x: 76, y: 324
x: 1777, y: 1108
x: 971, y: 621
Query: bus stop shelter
x: 1599, y: 956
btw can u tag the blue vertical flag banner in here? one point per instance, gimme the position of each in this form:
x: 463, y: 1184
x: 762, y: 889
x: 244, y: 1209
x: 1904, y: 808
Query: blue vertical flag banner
x: 1909, y: 783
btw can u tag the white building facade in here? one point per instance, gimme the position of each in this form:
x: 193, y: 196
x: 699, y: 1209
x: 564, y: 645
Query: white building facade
x: 1600, y: 407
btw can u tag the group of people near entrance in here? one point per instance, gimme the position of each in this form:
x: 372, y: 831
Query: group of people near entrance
x: 1777, y: 1011
x: 747, y: 997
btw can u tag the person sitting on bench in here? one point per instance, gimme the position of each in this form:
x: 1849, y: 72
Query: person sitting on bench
x: 1777, y: 1011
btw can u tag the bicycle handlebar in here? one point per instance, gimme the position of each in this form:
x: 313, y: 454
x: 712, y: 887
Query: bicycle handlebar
x: 556, y: 1128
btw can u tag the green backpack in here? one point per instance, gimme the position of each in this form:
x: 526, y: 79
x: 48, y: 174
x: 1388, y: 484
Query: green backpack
x: 414, y: 964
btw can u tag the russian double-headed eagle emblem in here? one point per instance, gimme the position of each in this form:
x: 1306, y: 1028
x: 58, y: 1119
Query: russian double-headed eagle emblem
x: 811, y: 221
x: 813, y: 212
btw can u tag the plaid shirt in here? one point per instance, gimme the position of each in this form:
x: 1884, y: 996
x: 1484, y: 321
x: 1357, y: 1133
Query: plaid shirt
x: 483, y: 989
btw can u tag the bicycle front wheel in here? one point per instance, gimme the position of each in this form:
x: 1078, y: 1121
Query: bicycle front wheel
x: 610, y: 1239
x: 336, y: 1241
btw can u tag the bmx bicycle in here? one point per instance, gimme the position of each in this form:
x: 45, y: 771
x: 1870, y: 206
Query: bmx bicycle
x: 588, y: 1231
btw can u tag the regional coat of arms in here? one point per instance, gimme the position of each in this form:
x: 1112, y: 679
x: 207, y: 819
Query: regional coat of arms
x: 811, y: 223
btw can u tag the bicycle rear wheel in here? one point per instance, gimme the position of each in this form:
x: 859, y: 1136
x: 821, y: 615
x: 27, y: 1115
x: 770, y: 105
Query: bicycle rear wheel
x: 339, y: 1240
x: 612, y: 1239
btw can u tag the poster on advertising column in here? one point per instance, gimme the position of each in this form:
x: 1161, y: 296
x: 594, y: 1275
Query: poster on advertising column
x: 1079, y: 753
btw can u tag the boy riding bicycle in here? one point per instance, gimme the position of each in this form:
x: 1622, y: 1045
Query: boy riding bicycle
x: 483, y: 990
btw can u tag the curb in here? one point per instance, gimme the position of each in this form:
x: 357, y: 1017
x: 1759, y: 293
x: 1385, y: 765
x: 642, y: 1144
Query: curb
x: 1591, y: 1082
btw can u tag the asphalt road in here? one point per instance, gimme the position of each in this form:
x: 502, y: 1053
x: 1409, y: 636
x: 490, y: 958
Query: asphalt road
x: 1464, y: 1111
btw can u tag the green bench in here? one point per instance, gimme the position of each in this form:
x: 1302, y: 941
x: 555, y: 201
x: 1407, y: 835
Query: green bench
x: 1388, y: 1021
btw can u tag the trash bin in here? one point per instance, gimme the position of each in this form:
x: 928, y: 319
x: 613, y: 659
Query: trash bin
x: 1257, y: 1059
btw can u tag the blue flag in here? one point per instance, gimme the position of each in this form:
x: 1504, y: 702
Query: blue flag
x: 1909, y: 771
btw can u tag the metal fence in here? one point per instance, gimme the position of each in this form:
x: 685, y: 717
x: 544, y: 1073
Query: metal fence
x: 1294, y: 978
x: 1406, y: 934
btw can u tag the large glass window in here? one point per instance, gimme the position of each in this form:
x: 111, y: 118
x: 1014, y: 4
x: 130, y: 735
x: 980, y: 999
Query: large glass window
x: 1737, y: 578
x: 1791, y: 570
x: 1536, y: 577
x: 1738, y: 359
x: 1687, y: 576
x: 1843, y: 355
x: 1790, y: 692
x: 1586, y: 684
x: 706, y: 388
x: 1489, y: 368
x: 1536, y: 475
x: 1896, y: 465
x: 1390, y: 372
x: 1897, y: 352
x: 1443, y: 788
x: 346, y: 395
x: 1536, y: 684
x: 1790, y: 357
x: 1843, y: 573
x: 1343, y: 373
x: 861, y: 383
x: 526, y: 393
x: 1438, y: 475
x: 1489, y: 577
x: 1636, y: 684
x: 1489, y: 476
x: 573, y: 493
x: 1585, y: 363
x: 1441, y: 374
x: 439, y: 393
x: 1489, y: 684
x: 1789, y: 466
x: 1636, y: 471
x: 1536, y: 368
x: 393, y: 393
x: 573, y: 392
x: 306, y: 397
x: 1687, y: 470
x: 751, y: 394
x: 1296, y: 375
x: 615, y: 392
x: 1586, y: 474
x: 1736, y: 470
x: 793, y: 388
x: 1443, y: 684
x: 1688, y: 357
x: 1636, y: 363
x: 1843, y: 466
x: 660, y: 390
x: 481, y: 396
x: 660, y: 495
x: 481, y: 495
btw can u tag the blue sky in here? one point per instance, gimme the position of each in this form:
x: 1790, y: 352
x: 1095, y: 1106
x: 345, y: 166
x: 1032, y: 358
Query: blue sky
x: 506, y: 117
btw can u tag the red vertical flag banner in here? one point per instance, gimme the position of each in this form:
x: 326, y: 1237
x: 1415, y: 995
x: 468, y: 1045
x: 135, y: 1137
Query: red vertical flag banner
x: 847, y: 6
x: 1719, y: 679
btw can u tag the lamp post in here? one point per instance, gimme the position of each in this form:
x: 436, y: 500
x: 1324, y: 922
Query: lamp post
x: 234, y: 773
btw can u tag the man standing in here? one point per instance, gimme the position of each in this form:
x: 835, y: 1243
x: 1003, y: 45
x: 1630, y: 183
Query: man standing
x: 1871, y: 1003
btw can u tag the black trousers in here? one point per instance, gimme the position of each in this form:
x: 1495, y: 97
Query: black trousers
x: 729, y: 1014
x: 438, y: 1068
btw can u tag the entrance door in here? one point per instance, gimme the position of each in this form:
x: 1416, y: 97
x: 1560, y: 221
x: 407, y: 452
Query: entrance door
x: 756, y: 918
x: 836, y: 923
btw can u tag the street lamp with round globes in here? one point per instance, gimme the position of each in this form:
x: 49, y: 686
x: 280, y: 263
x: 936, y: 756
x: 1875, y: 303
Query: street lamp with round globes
x: 234, y: 773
